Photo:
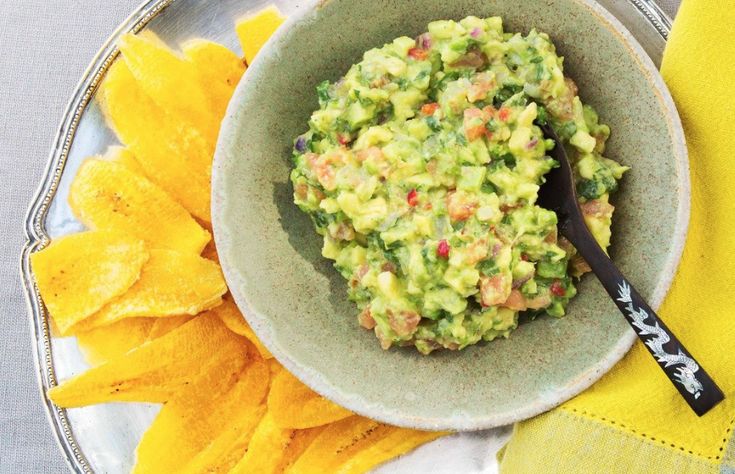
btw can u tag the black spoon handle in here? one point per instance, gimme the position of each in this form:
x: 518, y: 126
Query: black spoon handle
x: 687, y: 375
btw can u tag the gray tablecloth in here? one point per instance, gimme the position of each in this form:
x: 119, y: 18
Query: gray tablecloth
x: 45, y: 46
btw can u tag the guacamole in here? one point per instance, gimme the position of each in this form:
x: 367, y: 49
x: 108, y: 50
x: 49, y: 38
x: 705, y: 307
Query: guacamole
x: 421, y: 169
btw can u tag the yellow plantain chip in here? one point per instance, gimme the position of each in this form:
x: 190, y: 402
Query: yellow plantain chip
x: 171, y: 284
x: 103, y: 344
x: 255, y: 30
x: 301, y: 440
x: 294, y: 405
x: 337, y: 443
x: 356, y: 445
x: 80, y: 273
x: 171, y: 81
x: 125, y: 157
x: 399, y: 441
x: 108, y: 195
x: 200, y: 350
x: 267, y: 449
x: 163, y: 326
x: 188, y: 423
x: 219, y: 71
x: 233, y: 319
x: 222, y: 454
x: 174, y: 156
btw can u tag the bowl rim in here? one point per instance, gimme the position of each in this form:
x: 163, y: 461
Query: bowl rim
x: 461, y: 422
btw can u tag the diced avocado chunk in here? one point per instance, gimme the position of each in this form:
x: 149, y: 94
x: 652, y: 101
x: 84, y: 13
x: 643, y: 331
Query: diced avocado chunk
x: 584, y: 141
x: 471, y: 178
x: 443, y: 299
x: 551, y: 269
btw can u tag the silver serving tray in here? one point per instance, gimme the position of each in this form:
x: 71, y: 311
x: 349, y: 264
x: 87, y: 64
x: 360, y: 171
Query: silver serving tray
x: 103, y: 438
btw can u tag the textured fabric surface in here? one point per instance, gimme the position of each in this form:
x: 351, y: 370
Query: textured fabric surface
x: 562, y: 442
x: 45, y: 46
x: 633, y: 411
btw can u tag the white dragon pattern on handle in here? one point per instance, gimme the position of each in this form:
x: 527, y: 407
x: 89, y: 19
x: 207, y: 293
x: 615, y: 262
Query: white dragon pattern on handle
x: 685, y: 374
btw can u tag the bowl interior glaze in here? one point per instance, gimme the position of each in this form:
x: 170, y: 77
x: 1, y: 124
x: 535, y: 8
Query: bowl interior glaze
x: 296, y: 301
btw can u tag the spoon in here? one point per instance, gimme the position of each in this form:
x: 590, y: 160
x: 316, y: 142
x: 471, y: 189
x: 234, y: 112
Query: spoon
x: 687, y: 375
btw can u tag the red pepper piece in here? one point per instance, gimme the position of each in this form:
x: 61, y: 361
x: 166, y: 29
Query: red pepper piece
x: 418, y: 54
x: 412, y: 198
x: 442, y: 250
x: 557, y: 289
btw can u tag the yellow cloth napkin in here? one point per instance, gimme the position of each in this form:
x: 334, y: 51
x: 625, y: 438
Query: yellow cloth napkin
x: 633, y: 420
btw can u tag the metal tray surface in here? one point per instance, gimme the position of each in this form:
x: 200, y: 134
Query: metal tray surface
x: 103, y: 438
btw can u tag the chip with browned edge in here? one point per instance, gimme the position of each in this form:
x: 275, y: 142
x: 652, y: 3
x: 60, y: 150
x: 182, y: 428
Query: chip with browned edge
x: 337, y: 443
x: 202, y: 349
x: 267, y: 449
x: 80, y: 273
x: 301, y: 440
x: 109, y: 195
x: 399, y: 441
x: 356, y: 445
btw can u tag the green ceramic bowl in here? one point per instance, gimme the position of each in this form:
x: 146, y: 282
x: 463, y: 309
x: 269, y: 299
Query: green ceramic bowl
x: 296, y: 301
